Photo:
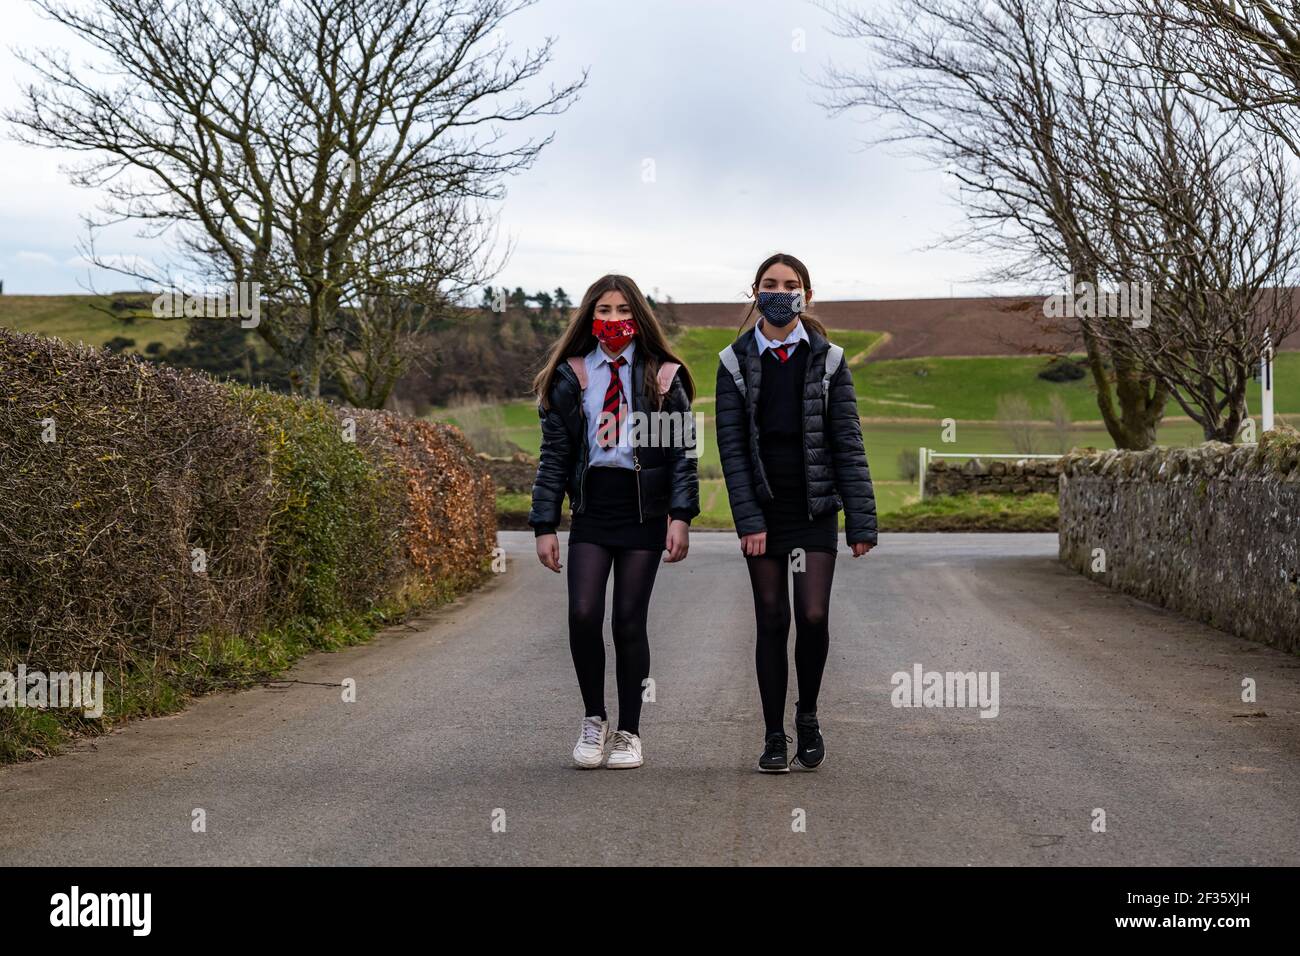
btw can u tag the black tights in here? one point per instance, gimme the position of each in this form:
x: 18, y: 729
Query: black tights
x: 634, y: 579
x: 812, y: 598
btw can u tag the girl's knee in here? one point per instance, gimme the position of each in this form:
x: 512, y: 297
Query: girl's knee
x: 814, y: 619
x: 629, y: 629
x: 586, y: 617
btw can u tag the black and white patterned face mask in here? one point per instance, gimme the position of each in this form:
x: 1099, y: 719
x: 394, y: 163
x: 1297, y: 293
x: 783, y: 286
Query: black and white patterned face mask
x: 780, y: 308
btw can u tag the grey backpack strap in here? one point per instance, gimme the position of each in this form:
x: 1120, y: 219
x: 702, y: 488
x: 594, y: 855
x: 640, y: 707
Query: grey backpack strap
x: 731, y: 363
x: 833, y: 359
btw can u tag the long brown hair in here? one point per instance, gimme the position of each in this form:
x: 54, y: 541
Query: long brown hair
x: 578, y: 339
x: 805, y: 317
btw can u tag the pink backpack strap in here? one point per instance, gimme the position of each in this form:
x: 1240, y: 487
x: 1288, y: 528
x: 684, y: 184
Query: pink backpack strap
x: 666, y: 373
x: 579, y: 366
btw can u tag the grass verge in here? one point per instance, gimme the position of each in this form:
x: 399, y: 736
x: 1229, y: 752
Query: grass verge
x: 1037, y: 512
x: 156, y: 687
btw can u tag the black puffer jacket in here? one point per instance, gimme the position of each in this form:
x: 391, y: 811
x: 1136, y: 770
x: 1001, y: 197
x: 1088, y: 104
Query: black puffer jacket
x: 667, y: 478
x: 837, y: 471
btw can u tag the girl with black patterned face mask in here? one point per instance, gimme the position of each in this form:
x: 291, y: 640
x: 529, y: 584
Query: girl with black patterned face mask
x: 790, y: 441
x: 632, y: 496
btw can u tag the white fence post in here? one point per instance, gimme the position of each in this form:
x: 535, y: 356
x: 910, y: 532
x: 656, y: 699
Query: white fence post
x: 1266, y: 385
x: 925, y: 463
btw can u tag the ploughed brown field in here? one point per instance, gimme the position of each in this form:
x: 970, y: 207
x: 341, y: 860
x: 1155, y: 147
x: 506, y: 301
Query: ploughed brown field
x: 918, y: 328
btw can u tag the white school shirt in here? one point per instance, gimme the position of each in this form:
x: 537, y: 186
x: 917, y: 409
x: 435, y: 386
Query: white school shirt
x: 593, y: 401
x: 797, y: 334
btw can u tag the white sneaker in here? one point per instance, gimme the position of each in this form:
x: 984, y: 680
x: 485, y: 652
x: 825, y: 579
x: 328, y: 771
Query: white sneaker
x: 624, y: 751
x: 590, y: 750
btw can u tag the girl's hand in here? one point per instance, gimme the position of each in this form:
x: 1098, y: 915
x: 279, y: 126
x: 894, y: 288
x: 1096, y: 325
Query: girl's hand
x: 548, y: 551
x: 754, y: 545
x: 860, y: 548
x: 679, y: 540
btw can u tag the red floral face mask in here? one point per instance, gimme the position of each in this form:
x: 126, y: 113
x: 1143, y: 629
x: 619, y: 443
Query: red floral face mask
x: 613, y: 333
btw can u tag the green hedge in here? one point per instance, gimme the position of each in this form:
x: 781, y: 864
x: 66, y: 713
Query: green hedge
x: 318, y: 524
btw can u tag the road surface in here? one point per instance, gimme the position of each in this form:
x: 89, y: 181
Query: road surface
x: 468, y: 717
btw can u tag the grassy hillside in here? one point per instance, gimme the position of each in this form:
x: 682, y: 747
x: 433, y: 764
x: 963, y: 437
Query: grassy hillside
x: 968, y: 388
x: 926, y: 389
x: 902, y: 411
x: 902, y: 401
x: 699, y: 349
x: 84, y: 318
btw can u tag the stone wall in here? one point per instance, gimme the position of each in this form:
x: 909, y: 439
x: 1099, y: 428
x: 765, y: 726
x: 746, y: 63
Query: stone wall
x: 514, y: 473
x: 1212, y: 531
x: 997, y: 476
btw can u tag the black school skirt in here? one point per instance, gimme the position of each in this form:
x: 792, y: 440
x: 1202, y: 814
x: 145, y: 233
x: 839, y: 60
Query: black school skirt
x: 788, y: 524
x: 609, y: 518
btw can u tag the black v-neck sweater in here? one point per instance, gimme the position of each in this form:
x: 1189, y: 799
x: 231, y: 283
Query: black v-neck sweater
x: 780, y: 419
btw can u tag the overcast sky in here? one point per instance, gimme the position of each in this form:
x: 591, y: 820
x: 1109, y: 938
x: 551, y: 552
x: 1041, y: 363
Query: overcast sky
x: 746, y: 163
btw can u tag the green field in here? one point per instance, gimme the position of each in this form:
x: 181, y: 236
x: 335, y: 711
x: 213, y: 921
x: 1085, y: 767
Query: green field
x: 883, y: 441
x: 84, y: 318
x: 1035, y: 512
x: 970, y: 386
x: 699, y: 349
x: 903, y: 402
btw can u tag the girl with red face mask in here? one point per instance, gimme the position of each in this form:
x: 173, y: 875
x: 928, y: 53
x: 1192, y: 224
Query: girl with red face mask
x: 631, y: 494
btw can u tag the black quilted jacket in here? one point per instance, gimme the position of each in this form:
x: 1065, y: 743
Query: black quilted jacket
x: 836, y: 462
x: 667, y: 478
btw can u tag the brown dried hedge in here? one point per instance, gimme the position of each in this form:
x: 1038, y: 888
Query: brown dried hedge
x: 116, y: 476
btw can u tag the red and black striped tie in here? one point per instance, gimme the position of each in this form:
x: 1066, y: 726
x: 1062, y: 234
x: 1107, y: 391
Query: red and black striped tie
x: 783, y: 351
x: 613, y: 407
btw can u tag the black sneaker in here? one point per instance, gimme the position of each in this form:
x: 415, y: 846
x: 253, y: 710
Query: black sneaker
x: 811, y: 751
x: 774, y: 759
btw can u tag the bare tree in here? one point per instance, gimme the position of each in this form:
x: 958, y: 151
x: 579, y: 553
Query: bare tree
x: 413, y: 270
x: 1016, y: 418
x: 268, y: 139
x: 1062, y: 423
x: 995, y: 92
x: 1194, y: 200
x: 1243, y: 53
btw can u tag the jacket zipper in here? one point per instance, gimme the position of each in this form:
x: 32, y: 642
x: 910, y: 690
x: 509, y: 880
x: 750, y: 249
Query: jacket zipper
x: 751, y: 412
x: 636, y: 461
x: 586, y: 466
x: 586, y: 455
x: 636, y: 467
x: 803, y: 450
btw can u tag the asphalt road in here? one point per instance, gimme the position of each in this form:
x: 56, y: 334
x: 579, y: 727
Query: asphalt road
x: 468, y: 717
